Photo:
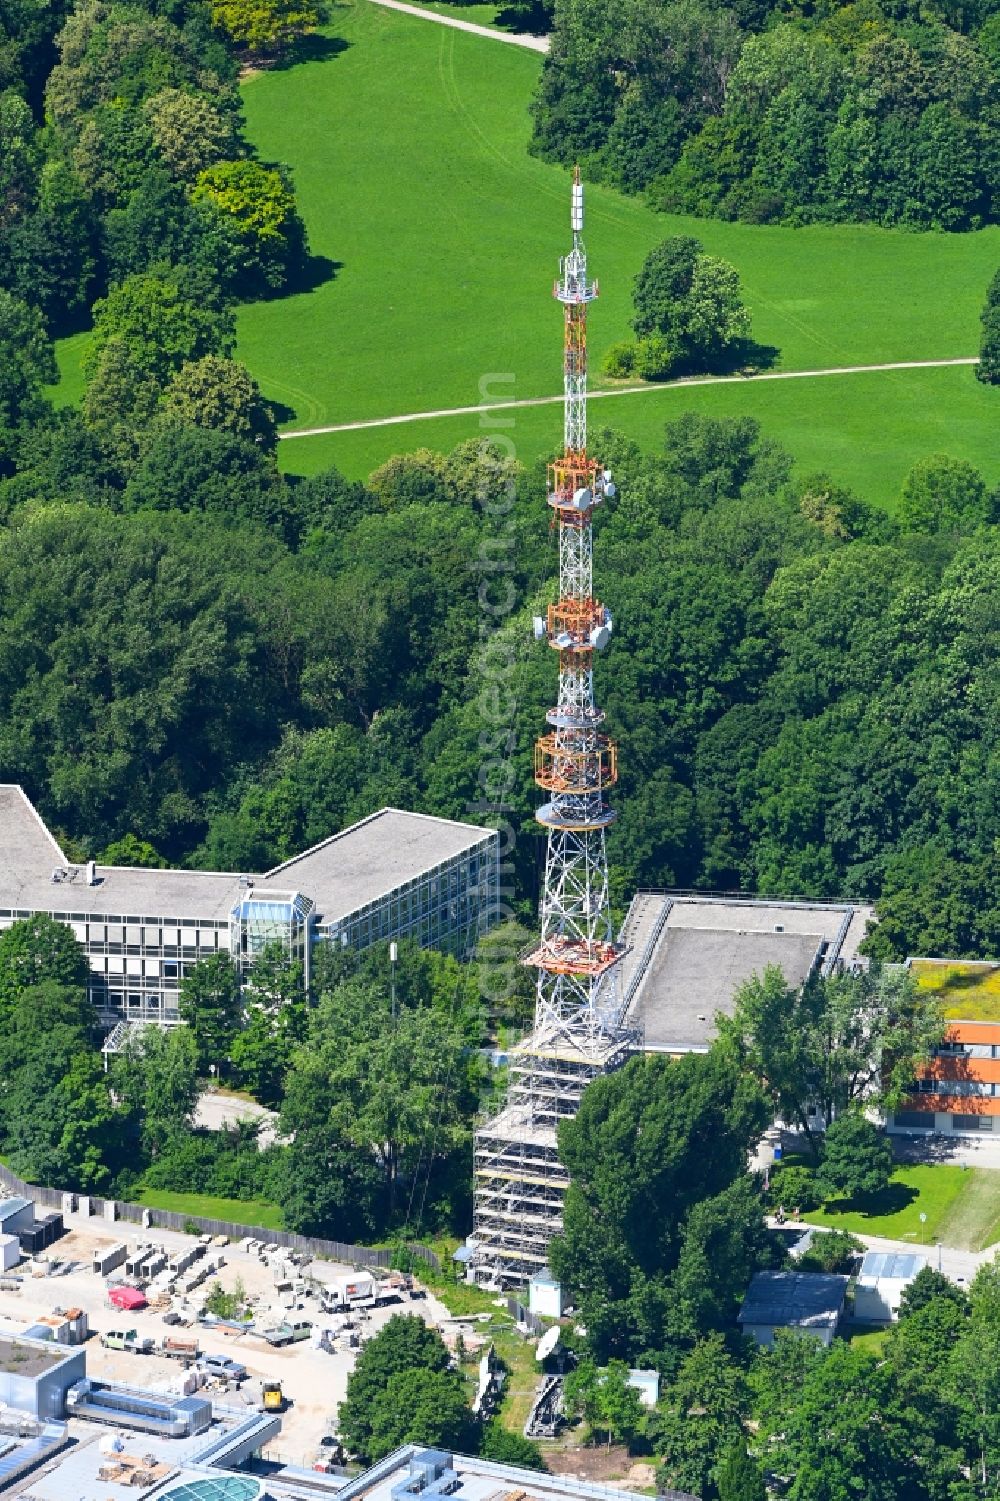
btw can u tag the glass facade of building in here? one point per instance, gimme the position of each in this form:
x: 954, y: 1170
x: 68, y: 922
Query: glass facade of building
x: 442, y: 908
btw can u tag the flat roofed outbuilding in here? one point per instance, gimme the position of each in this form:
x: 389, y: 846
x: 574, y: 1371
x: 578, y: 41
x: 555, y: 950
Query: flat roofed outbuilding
x: 805, y: 1302
x: 881, y: 1282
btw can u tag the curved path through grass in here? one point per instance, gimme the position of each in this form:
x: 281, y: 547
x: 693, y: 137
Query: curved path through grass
x: 647, y: 387
x: 516, y: 39
x: 442, y: 236
x: 436, y: 236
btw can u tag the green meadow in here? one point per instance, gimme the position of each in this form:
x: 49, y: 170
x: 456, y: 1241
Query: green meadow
x: 926, y: 1203
x: 865, y: 430
x: 436, y: 238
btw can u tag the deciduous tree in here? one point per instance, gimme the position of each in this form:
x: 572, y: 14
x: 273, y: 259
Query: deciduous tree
x: 256, y: 208
x: 211, y: 1002
x: 27, y: 363
x: 159, y: 324
x: 647, y: 1144
x: 35, y: 950
x: 221, y: 394
x: 988, y: 369
x: 699, y: 1419
x: 264, y: 25
x: 832, y: 1042
x: 944, y: 494
x: 857, y: 1158
x: 404, y: 1345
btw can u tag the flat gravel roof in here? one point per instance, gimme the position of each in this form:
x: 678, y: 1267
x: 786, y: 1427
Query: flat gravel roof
x: 345, y: 872
x: 707, y: 948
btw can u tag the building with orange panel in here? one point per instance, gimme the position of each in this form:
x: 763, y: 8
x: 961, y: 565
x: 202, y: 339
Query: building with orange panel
x: 958, y: 1092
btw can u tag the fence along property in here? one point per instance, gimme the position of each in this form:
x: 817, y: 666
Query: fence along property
x: 165, y: 1219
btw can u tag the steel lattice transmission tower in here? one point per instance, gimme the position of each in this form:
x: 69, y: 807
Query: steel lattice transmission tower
x: 576, y: 763
x: 578, y: 1033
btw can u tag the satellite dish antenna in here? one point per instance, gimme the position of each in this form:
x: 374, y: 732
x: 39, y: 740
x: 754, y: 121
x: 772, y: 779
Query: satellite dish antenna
x: 547, y: 1343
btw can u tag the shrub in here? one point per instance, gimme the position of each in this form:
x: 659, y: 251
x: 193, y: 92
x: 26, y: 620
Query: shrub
x: 654, y: 358
x: 831, y: 1251
x: 619, y: 362
x: 506, y: 1448
x: 794, y: 1187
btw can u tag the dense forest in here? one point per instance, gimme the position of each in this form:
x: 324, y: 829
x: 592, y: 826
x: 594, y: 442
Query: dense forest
x: 801, y: 685
x: 789, y: 112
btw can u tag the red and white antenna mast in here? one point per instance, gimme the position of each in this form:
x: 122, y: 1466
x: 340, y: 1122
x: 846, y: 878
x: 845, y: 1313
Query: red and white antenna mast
x: 575, y: 762
x: 579, y: 1033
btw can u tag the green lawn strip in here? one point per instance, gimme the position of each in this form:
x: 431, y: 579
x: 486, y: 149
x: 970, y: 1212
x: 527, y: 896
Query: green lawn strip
x: 412, y: 172
x: 69, y: 355
x: 869, y: 1340
x: 866, y: 431
x: 978, y: 1217
x: 962, y: 1208
x: 250, y: 1212
x: 461, y: 1299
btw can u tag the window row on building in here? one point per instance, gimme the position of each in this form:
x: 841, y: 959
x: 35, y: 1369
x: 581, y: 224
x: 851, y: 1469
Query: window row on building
x: 983, y: 1088
x: 942, y: 1121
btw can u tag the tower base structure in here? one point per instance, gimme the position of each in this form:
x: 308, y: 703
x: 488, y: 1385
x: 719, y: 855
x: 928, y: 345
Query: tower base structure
x: 520, y: 1183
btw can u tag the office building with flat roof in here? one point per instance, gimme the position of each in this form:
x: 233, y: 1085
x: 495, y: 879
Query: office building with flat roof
x: 688, y: 955
x: 393, y: 875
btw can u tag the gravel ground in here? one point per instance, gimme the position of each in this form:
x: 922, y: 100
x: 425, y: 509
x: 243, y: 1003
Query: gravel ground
x: 313, y: 1380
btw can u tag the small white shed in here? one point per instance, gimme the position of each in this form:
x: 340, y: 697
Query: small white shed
x: 880, y: 1284
x: 10, y: 1252
x: 545, y: 1296
x: 647, y: 1384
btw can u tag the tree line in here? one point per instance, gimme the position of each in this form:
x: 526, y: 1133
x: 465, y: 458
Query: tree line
x: 787, y: 113
x: 800, y: 682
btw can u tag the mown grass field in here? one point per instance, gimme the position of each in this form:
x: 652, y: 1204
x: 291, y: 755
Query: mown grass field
x: 437, y: 239
x: 865, y: 430
x: 962, y: 1208
x: 249, y: 1212
x: 412, y: 169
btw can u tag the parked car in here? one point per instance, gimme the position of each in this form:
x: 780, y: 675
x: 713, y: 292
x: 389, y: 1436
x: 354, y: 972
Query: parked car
x: 222, y: 1366
x: 172, y: 1318
x: 128, y: 1339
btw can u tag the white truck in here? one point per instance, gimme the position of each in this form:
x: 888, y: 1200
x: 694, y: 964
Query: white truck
x: 350, y: 1290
